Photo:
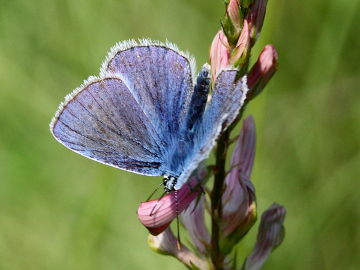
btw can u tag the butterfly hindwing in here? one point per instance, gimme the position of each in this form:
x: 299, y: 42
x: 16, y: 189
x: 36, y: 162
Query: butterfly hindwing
x: 227, y: 98
x: 102, y: 121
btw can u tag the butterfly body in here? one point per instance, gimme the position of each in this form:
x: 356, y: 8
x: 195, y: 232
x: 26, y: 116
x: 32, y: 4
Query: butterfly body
x: 143, y: 113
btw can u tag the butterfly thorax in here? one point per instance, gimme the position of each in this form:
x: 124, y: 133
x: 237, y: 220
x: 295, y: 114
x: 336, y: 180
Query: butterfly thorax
x: 169, y: 183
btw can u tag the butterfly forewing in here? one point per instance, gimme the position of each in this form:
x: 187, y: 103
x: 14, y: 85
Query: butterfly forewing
x: 160, y: 79
x: 104, y: 122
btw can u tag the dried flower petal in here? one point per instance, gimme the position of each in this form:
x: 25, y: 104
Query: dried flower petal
x: 194, y: 221
x: 156, y: 215
x: 271, y: 234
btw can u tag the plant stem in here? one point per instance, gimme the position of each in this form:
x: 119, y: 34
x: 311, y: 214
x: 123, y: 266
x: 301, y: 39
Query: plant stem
x: 217, y: 257
x: 216, y: 204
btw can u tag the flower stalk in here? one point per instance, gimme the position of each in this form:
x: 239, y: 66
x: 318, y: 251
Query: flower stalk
x: 216, y: 205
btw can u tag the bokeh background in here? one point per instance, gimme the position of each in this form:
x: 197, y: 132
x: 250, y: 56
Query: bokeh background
x: 59, y: 210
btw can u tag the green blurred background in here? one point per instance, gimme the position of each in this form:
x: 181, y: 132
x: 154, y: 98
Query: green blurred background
x: 59, y: 210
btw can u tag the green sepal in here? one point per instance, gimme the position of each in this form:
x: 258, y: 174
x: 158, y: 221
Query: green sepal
x: 230, y: 31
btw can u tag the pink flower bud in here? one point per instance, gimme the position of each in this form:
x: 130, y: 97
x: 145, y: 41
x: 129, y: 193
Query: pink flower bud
x: 271, y: 234
x: 240, y: 52
x: 156, y: 215
x: 194, y: 221
x: 239, y: 195
x: 219, y: 54
x: 233, y: 11
x: 167, y: 244
x: 256, y: 17
x: 262, y: 71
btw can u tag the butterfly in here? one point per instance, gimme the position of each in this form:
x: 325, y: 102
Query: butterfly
x: 148, y: 113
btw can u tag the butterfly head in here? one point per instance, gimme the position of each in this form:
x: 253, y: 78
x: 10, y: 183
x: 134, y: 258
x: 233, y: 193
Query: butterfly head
x: 169, y: 183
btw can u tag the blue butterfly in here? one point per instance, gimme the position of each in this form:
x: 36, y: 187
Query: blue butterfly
x: 143, y: 113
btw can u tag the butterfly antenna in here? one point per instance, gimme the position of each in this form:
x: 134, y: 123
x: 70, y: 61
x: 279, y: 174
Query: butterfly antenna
x: 178, y: 242
x: 152, y: 193
x: 157, y: 202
